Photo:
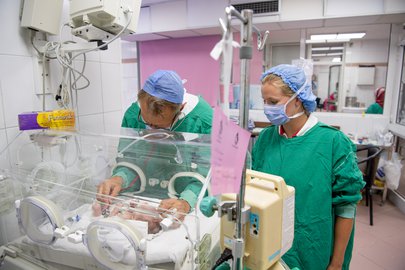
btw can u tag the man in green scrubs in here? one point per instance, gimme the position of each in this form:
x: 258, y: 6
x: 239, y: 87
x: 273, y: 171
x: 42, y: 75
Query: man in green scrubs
x: 318, y: 161
x: 163, y: 104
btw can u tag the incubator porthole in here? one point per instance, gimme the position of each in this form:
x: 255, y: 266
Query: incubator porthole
x: 38, y: 218
x: 114, y: 244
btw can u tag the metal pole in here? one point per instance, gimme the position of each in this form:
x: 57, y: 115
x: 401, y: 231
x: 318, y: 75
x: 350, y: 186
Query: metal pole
x: 245, y: 54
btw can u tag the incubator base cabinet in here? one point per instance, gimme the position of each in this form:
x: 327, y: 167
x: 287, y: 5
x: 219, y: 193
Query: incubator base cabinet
x: 269, y: 232
x: 51, y: 216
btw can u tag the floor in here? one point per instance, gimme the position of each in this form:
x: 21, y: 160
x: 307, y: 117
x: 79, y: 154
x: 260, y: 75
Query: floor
x: 381, y: 246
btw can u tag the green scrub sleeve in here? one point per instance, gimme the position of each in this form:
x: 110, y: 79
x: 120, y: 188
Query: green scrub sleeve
x: 206, y: 128
x: 346, y: 211
x: 191, y: 192
x: 126, y: 174
x: 348, y: 179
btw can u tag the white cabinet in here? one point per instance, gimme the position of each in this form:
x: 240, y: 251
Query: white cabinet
x: 365, y: 75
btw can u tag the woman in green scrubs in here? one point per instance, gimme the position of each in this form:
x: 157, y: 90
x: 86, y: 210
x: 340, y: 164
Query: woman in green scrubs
x: 318, y: 161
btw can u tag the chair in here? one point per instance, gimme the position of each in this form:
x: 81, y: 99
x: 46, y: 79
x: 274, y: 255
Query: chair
x: 371, y: 161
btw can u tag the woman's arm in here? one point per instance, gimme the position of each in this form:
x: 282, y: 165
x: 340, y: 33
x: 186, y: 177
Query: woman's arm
x: 343, y: 230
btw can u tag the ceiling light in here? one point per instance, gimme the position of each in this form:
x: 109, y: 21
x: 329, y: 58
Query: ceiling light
x: 339, y: 40
x: 334, y: 54
x: 323, y: 37
x: 308, y: 41
x: 350, y: 35
x: 335, y: 37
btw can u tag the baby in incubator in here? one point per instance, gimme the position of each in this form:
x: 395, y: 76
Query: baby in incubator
x: 134, y: 209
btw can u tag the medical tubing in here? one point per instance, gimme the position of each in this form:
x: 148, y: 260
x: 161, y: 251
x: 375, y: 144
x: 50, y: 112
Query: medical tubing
x: 203, y: 190
x: 200, y: 197
x: 19, y: 149
x: 81, y: 76
x: 33, y: 32
x: 188, y: 238
x: 43, y: 81
x: 67, y: 62
x: 173, y: 194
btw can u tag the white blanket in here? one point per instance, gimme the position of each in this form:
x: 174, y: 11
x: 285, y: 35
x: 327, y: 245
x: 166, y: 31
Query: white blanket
x: 169, y: 246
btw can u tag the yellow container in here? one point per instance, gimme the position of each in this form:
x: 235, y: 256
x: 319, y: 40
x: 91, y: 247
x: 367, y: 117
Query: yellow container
x: 379, y: 183
x: 58, y: 119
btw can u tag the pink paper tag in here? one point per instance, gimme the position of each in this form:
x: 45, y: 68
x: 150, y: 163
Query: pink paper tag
x: 229, y: 144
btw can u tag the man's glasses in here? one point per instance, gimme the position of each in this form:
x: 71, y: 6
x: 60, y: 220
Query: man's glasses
x: 172, y: 124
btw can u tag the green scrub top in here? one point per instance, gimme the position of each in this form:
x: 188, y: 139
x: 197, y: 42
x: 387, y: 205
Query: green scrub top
x: 199, y: 120
x: 374, y: 108
x: 322, y: 167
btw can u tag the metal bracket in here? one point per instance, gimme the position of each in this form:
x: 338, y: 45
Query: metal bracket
x: 238, y: 248
x: 229, y: 208
x: 245, y: 214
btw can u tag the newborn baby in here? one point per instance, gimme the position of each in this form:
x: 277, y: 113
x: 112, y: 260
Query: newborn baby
x: 132, y: 209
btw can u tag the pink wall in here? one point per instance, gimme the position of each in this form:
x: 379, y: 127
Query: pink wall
x: 190, y: 58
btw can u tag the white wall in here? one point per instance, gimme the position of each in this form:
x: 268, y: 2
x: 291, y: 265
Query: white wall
x: 96, y: 104
x: 129, y: 74
x: 99, y: 106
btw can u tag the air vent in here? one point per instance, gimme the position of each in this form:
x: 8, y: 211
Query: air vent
x: 263, y: 7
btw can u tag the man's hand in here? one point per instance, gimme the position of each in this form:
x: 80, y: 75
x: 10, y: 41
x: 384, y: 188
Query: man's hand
x: 181, y: 206
x: 110, y: 187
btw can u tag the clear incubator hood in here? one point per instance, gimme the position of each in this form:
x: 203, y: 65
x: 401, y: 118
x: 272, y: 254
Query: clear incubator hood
x: 49, y: 184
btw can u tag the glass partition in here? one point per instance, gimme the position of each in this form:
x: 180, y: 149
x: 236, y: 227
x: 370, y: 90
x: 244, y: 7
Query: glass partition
x: 401, y: 105
x: 346, y: 74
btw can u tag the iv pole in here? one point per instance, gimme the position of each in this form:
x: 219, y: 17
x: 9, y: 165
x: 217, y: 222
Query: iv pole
x: 245, y: 55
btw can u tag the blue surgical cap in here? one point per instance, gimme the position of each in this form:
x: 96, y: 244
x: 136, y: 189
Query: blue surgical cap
x: 295, y: 78
x: 165, y: 84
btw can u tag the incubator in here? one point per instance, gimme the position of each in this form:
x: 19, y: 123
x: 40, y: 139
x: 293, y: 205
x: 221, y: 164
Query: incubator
x: 49, y: 180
